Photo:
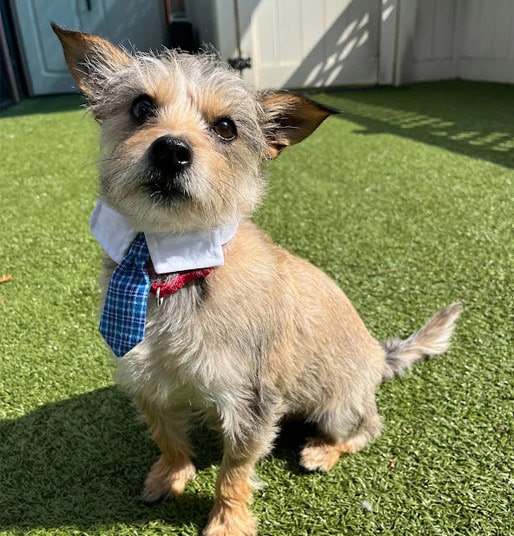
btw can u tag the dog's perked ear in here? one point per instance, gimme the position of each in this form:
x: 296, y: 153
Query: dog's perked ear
x: 90, y: 59
x: 291, y: 118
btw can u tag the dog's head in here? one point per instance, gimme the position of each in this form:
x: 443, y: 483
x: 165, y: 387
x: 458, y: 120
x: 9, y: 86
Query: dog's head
x: 183, y: 136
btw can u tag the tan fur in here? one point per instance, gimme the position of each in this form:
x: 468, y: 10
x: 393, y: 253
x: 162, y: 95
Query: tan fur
x: 267, y: 334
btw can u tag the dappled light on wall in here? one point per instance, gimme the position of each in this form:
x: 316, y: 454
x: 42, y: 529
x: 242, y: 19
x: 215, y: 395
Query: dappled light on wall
x: 346, y: 52
x: 355, y: 35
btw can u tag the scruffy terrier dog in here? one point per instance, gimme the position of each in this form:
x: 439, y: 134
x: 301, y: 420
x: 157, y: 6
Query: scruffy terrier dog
x: 240, y: 330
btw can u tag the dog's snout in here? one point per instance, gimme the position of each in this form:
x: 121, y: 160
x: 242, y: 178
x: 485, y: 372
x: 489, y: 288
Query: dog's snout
x: 170, y: 155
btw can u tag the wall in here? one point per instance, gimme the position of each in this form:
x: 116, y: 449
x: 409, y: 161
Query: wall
x: 469, y: 39
x: 486, y: 49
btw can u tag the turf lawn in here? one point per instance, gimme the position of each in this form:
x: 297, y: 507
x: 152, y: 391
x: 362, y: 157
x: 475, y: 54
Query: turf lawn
x: 406, y: 200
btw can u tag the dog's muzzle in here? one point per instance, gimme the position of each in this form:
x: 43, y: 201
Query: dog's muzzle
x: 169, y: 157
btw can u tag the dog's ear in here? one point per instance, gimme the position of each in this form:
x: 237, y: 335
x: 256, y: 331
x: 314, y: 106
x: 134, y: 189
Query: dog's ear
x: 290, y: 119
x: 90, y: 58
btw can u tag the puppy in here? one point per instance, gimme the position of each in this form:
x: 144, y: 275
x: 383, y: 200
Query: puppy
x: 239, y: 330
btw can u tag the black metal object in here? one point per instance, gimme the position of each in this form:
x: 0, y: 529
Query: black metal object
x: 240, y: 63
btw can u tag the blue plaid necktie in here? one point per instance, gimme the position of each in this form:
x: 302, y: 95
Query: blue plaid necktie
x: 122, y: 324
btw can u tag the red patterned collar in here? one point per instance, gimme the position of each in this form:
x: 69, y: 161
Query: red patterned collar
x: 162, y: 287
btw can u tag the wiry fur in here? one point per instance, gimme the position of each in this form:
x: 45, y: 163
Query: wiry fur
x: 265, y: 336
x: 431, y: 340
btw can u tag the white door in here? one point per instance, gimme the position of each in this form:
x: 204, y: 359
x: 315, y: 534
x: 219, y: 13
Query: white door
x: 141, y: 23
x: 310, y: 43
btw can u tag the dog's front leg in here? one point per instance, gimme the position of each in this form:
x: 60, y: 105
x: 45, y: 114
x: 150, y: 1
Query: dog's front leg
x: 173, y: 470
x: 248, y: 434
x: 230, y: 514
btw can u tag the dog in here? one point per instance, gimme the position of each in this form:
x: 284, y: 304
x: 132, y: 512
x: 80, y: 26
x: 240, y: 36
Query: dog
x: 239, y: 330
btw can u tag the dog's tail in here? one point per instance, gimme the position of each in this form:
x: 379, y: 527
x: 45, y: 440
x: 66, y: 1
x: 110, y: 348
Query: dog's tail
x: 431, y: 340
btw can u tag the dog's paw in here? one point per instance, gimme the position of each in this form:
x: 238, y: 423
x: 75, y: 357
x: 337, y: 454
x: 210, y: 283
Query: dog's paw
x: 320, y: 455
x: 225, y: 521
x: 163, y: 481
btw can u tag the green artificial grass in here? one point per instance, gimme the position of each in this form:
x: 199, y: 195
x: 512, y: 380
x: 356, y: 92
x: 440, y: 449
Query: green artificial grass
x: 406, y: 200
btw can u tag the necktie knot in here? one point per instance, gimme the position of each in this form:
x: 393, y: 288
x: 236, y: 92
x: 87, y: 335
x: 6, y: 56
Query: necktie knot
x: 137, y: 255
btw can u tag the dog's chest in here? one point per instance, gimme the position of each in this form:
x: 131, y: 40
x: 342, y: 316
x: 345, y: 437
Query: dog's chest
x: 177, y: 363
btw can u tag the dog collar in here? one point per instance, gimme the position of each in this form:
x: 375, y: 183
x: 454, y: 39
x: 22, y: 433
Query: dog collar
x: 163, y: 289
x: 170, y: 253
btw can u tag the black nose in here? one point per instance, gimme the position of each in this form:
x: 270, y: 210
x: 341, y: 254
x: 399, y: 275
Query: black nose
x: 170, y: 155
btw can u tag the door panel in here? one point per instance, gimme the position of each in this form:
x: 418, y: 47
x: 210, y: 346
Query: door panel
x: 311, y: 43
x: 140, y: 23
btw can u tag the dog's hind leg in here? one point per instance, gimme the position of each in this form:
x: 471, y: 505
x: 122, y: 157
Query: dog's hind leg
x: 173, y: 470
x: 343, y: 431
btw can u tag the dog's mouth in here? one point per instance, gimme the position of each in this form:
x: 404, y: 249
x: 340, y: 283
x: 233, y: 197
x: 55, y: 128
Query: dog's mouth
x: 164, y: 190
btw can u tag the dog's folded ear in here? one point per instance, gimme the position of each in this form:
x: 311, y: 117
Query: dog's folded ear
x: 90, y: 59
x: 290, y: 119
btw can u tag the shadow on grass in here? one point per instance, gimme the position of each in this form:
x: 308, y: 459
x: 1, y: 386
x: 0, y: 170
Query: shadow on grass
x: 469, y: 118
x: 81, y: 463
x: 44, y: 105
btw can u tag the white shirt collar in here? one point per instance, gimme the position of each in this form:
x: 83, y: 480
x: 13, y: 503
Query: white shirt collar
x: 169, y: 253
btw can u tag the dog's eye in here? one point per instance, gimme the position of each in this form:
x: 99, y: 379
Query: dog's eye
x: 225, y: 128
x: 143, y: 107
